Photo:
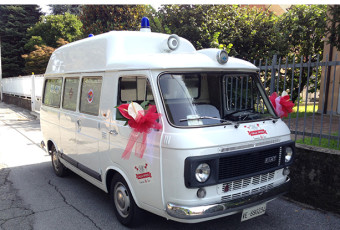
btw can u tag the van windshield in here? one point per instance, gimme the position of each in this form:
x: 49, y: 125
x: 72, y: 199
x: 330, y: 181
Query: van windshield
x: 198, y: 99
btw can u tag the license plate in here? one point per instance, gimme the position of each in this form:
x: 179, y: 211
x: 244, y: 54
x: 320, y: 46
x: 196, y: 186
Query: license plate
x: 252, y: 212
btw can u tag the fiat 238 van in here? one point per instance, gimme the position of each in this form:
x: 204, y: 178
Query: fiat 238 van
x: 189, y: 135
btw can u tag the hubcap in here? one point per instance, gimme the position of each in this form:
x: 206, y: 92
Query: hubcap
x: 122, y: 199
x: 55, y: 160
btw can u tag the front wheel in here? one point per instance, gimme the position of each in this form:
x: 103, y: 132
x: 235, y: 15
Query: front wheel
x: 59, y: 169
x: 124, y: 206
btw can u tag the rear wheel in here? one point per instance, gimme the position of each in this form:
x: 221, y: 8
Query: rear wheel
x: 124, y: 206
x: 59, y: 169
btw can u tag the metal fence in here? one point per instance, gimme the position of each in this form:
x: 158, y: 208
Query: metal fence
x: 313, y: 85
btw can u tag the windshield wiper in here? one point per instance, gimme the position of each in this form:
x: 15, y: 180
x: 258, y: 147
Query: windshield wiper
x: 236, y: 124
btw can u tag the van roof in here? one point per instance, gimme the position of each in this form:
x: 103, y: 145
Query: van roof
x: 129, y: 50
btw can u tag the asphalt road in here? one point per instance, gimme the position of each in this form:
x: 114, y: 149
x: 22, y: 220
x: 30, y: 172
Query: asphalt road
x: 32, y: 197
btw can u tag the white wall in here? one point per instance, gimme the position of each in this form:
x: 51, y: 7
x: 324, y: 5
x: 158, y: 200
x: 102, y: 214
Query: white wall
x: 22, y: 86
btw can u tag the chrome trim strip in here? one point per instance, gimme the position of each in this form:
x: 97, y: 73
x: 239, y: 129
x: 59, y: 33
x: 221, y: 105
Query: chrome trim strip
x: 248, y: 146
x: 186, y: 212
x: 81, y: 167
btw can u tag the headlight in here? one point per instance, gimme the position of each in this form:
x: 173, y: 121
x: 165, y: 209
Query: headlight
x: 289, y: 154
x: 202, y: 172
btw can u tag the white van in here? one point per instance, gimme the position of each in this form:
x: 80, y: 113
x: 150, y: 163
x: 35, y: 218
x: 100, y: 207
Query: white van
x: 221, y: 148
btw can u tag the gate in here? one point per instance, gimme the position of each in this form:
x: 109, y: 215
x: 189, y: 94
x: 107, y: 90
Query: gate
x: 313, y: 86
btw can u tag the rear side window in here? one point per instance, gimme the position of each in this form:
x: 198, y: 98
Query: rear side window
x: 90, y: 95
x: 70, y: 93
x: 52, y: 92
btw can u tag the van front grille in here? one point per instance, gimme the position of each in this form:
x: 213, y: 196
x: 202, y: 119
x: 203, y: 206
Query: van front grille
x: 253, y: 182
x: 238, y: 195
x: 247, y: 186
x: 248, y: 163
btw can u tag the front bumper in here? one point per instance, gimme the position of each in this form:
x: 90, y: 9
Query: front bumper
x: 200, y: 212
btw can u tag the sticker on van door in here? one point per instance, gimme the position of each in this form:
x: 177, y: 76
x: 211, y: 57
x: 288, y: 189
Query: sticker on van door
x: 143, y: 174
x: 90, y: 96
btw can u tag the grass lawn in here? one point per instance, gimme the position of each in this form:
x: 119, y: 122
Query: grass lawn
x: 302, y: 110
x: 315, y: 142
x: 333, y: 144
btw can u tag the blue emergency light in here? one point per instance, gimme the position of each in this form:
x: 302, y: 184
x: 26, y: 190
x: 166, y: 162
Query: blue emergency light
x: 145, y: 23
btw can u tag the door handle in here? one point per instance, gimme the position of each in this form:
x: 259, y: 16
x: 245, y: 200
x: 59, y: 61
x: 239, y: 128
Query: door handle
x: 113, y: 132
x: 79, y: 123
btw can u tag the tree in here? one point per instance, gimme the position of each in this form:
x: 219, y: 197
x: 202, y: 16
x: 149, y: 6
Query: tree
x: 184, y: 20
x: 156, y: 23
x: 14, y: 22
x: 62, y: 9
x: 247, y: 33
x: 303, y: 30
x: 99, y: 19
x: 253, y: 32
x: 333, y: 26
x: 37, y: 60
x: 52, y: 27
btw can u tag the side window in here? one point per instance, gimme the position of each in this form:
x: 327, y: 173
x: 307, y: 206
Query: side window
x: 52, y: 92
x: 137, y: 89
x: 90, y: 95
x: 70, y: 93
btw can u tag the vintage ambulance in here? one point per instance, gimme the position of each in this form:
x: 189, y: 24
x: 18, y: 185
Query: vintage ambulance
x: 216, y: 147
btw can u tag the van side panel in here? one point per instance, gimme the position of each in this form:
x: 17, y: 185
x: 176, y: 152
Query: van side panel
x: 68, y: 120
x: 50, y: 126
x: 107, y: 103
x: 50, y: 111
x: 142, y: 173
x: 88, y: 132
x: 68, y: 117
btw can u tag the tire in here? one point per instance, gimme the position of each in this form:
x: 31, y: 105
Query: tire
x: 58, y: 168
x: 124, y: 206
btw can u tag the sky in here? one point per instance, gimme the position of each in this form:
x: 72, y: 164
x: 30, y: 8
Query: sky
x: 44, y: 8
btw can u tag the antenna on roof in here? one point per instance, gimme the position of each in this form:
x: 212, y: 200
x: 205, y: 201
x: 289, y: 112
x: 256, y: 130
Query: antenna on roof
x: 145, y: 25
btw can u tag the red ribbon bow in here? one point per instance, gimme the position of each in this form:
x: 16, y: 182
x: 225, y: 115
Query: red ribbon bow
x: 282, y: 104
x: 141, y: 126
